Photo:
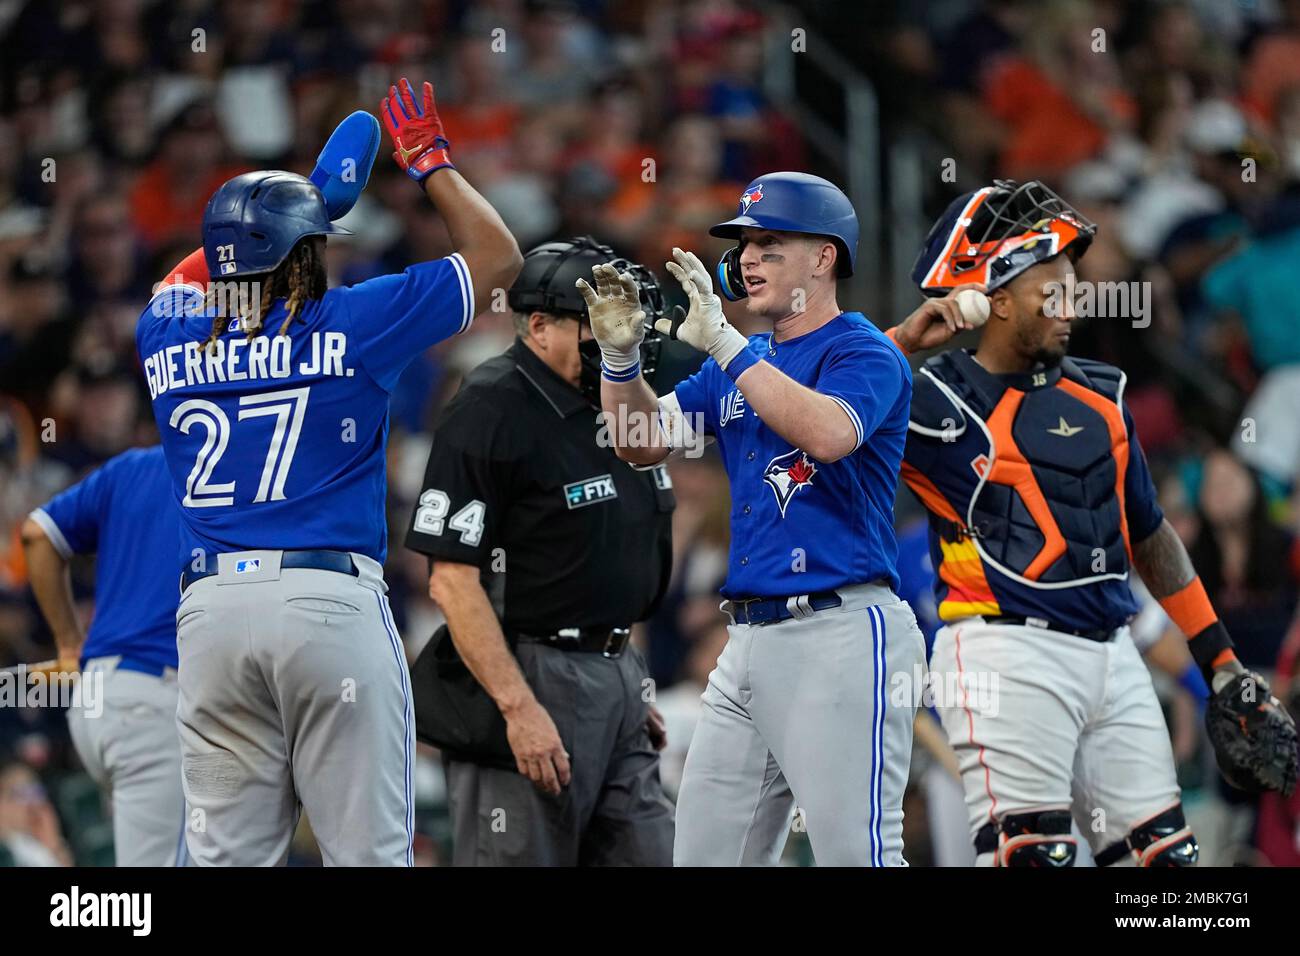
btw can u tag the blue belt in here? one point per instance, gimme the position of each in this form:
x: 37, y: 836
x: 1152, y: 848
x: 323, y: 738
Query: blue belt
x: 770, y: 610
x: 142, y: 666
x: 339, y: 561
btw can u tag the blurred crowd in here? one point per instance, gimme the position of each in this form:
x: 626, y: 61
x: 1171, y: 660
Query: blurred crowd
x: 1176, y: 129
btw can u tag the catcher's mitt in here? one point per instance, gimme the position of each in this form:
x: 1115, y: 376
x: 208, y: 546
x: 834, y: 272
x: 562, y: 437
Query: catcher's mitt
x: 1254, y: 738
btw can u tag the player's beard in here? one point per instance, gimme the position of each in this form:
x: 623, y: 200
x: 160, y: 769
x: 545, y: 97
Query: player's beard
x: 1047, y: 352
x: 1050, y: 357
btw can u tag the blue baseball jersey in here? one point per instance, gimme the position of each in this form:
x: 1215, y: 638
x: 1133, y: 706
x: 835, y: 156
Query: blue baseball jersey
x: 799, y: 525
x: 123, y: 512
x: 278, y: 441
x: 916, y: 579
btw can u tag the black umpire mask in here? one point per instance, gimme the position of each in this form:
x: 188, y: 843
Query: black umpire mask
x: 547, y: 283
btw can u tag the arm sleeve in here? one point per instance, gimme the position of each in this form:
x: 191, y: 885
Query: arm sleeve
x: 694, y: 398
x: 71, y: 518
x: 396, y: 317
x: 1140, y: 503
x: 865, y: 380
x: 468, y: 483
x: 681, y: 429
x: 191, y: 271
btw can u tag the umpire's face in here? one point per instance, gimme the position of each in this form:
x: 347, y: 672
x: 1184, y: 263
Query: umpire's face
x: 785, y: 273
x: 554, y: 339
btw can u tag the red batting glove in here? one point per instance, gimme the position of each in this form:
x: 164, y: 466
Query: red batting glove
x: 416, y: 131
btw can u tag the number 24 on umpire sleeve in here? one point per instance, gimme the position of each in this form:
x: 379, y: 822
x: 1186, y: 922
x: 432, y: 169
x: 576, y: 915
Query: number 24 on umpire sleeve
x: 432, y: 514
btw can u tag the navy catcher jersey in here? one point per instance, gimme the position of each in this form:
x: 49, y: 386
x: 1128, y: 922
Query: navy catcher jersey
x: 1036, y: 488
x: 278, y: 441
x: 799, y: 525
x: 121, y: 511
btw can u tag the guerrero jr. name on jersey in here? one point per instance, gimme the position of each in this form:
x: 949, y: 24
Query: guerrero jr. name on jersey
x: 239, y: 359
x: 786, y: 474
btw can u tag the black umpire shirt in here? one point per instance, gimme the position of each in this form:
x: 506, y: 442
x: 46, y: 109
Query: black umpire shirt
x: 565, y: 534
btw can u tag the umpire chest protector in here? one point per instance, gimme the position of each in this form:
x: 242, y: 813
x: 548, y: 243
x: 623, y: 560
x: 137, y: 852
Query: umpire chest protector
x: 1046, y: 453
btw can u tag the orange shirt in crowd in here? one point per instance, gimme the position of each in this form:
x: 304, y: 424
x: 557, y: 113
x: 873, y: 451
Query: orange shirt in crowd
x: 1273, y: 66
x: 1047, y: 132
x: 160, y: 212
x: 480, y: 127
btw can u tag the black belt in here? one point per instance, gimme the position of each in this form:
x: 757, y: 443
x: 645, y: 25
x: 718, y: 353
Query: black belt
x: 609, y: 641
x: 1101, y: 635
x: 770, y: 610
x: 340, y: 561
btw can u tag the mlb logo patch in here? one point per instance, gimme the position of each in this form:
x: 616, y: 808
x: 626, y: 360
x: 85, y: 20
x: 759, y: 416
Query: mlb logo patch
x: 248, y: 565
x: 227, y: 268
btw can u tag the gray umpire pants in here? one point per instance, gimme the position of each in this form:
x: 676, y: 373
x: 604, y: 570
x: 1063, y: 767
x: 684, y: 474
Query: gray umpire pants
x: 613, y: 813
x: 294, y: 695
x: 131, y: 750
x: 816, y: 711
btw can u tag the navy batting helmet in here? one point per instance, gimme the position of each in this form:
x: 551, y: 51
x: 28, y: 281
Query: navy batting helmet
x: 253, y: 221
x: 790, y: 202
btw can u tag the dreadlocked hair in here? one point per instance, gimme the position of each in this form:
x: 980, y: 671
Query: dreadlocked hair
x: 298, y: 279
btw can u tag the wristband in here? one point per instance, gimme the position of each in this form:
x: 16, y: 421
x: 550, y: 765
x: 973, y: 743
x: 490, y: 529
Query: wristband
x: 1190, y: 608
x: 1207, y: 638
x: 1211, y: 648
x: 892, y: 335
x: 620, y: 375
x: 740, y: 363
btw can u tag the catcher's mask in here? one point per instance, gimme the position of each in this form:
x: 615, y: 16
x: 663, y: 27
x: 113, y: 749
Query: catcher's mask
x: 546, y: 283
x: 995, y: 233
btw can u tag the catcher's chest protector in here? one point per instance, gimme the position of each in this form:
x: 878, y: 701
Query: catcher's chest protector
x: 1047, y: 463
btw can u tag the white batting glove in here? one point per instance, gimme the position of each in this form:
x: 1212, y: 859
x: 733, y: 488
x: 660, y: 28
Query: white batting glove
x: 617, y: 320
x: 705, y: 327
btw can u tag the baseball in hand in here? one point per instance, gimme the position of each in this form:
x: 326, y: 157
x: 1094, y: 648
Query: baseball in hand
x: 974, y: 306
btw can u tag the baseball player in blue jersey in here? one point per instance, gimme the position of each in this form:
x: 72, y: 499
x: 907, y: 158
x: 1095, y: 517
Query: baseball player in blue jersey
x: 271, y: 395
x: 811, y: 420
x: 122, y: 513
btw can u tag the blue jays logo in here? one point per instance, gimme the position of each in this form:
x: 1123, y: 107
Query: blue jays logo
x: 786, y: 474
x: 749, y: 198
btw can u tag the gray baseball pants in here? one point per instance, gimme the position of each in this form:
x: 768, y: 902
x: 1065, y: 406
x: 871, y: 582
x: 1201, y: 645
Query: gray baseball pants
x: 815, y: 710
x: 613, y: 813
x: 294, y: 696
x: 131, y: 750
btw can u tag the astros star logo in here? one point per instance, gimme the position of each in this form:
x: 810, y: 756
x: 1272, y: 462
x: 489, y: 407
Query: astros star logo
x: 786, y: 474
x: 1065, y: 429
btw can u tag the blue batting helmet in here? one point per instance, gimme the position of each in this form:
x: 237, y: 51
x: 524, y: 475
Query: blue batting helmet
x: 790, y: 202
x: 253, y: 221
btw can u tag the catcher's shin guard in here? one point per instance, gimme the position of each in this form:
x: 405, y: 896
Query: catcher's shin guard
x: 1034, y: 838
x: 1163, y: 840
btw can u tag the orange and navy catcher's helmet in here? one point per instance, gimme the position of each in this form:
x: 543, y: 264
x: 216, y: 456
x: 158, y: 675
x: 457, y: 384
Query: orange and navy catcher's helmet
x: 993, y: 234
